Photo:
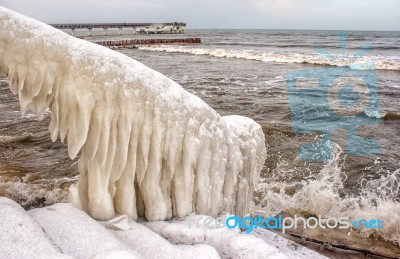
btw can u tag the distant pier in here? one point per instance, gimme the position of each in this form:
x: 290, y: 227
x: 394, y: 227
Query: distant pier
x: 134, y: 42
x: 138, y: 28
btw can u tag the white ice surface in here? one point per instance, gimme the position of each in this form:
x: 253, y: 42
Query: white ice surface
x: 76, y: 233
x: 232, y: 243
x: 152, y: 245
x: 148, y: 147
x: 63, y: 231
x: 286, y: 246
x: 21, y: 236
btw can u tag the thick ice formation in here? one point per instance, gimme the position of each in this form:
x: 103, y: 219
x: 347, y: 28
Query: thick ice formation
x: 147, y: 146
x: 63, y: 231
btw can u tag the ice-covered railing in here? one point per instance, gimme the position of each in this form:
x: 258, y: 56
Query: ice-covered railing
x: 148, y: 147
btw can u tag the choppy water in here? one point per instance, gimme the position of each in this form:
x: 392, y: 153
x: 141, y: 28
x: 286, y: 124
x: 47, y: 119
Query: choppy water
x: 247, y: 73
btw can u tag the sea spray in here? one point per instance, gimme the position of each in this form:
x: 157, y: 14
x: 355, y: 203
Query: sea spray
x: 324, y: 194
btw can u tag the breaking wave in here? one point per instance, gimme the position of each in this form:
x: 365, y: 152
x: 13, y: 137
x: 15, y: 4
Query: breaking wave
x: 324, y: 194
x: 384, y: 115
x: 356, y: 63
x: 31, y: 191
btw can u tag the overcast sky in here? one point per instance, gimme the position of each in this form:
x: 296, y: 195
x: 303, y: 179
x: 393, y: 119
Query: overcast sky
x: 239, y: 14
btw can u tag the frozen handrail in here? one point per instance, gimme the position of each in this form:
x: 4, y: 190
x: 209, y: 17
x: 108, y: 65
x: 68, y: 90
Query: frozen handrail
x: 148, y: 147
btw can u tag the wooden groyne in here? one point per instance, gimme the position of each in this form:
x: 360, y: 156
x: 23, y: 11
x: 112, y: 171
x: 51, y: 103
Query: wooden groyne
x: 134, y: 42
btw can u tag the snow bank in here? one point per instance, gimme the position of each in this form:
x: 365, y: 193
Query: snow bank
x: 63, y: 231
x: 77, y: 234
x: 147, y: 146
x: 151, y: 245
x: 231, y: 243
x: 21, y: 236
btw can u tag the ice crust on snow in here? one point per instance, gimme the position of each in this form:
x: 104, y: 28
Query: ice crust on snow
x: 152, y: 245
x: 231, y: 243
x: 64, y: 231
x: 21, y: 236
x: 148, y: 147
x: 76, y: 233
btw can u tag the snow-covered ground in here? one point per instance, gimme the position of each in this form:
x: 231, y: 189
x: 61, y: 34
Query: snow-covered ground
x: 63, y: 231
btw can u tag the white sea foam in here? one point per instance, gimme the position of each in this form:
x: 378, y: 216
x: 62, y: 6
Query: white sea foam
x: 36, y: 193
x: 356, y: 63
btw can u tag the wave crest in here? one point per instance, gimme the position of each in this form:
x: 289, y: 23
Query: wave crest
x: 356, y: 63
